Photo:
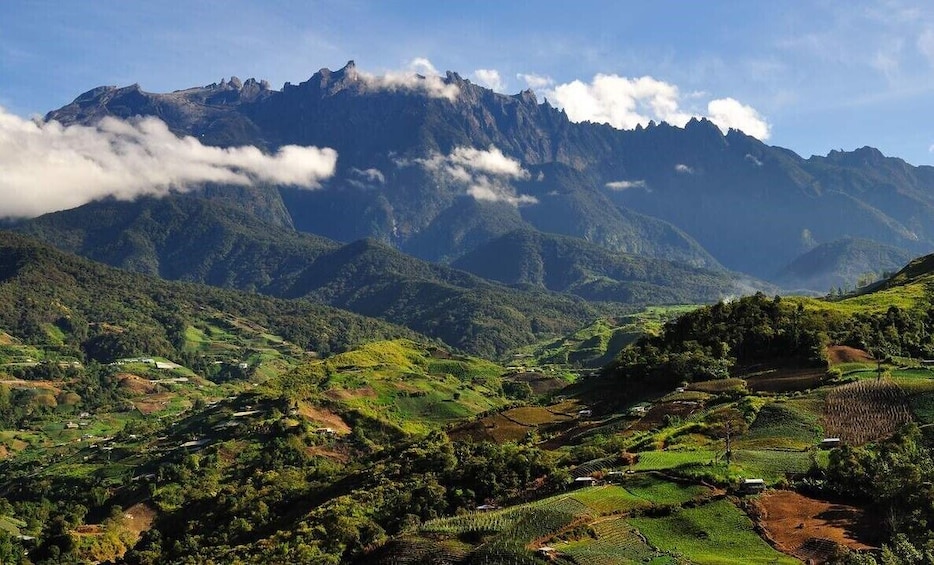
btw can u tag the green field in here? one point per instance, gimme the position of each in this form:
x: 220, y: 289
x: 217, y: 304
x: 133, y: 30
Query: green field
x: 780, y: 425
x: 615, y: 541
x: 716, y: 533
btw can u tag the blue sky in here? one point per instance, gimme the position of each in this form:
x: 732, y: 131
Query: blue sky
x: 814, y: 75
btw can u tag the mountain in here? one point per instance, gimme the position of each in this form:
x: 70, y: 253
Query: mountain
x: 572, y: 265
x: 51, y: 297
x: 195, y: 239
x: 414, y: 171
x: 841, y: 264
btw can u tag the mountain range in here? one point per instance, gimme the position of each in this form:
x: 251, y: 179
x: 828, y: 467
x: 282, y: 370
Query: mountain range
x: 438, y: 168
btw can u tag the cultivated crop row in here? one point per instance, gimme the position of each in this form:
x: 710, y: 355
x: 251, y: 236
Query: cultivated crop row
x: 865, y: 410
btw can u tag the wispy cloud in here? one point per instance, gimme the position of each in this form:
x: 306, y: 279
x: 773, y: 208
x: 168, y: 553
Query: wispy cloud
x: 621, y: 185
x: 534, y: 81
x: 363, y: 178
x: 489, y: 78
x: 684, y: 169
x: 48, y: 166
x: 483, y: 174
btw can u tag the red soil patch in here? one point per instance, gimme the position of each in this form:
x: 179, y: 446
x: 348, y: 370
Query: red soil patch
x: 136, y: 385
x: 785, y: 379
x: 495, y: 428
x: 540, y: 383
x: 19, y: 383
x: 324, y: 416
x: 809, y: 529
x: 153, y: 403
x: 317, y: 451
x: 837, y: 354
x: 139, y: 518
x: 89, y: 530
x: 346, y: 394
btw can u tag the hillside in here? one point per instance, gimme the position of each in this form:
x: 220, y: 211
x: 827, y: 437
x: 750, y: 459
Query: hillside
x: 571, y: 265
x: 48, y: 296
x: 207, y: 241
x: 692, y: 194
x: 194, y: 424
x: 841, y: 264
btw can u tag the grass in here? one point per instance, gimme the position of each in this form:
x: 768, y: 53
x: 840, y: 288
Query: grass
x: 658, y: 491
x: 770, y: 465
x: 663, y: 460
x: 715, y: 533
x: 779, y: 425
x: 922, y: 407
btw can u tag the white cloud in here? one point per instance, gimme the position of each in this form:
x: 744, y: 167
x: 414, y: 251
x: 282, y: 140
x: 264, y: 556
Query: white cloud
x: 753, y: 159
x: 489, y: 78
x: 730, y: 113
x: 625, y: 184
x: 683, y: 169
x: 625, y: 103
x: 370, y: 175
x: 48, y: 166
x: 535, y: 82
x: 420, y: 76
x: 925, y: 44
x: 483, y: 174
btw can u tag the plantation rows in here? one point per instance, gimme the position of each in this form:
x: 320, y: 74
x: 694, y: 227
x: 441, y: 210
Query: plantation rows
x: 865, y: 410
x: 589, y: 467
x: 407, y: 552
x: 616, y: 542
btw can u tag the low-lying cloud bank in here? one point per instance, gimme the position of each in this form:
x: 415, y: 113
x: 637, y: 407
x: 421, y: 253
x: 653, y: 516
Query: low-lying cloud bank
x: 45, y: 167
x: 420, y: 76
x: 484, y: 174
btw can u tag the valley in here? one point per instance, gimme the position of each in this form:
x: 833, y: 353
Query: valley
x: 201, y: 425
x: 408, y: 319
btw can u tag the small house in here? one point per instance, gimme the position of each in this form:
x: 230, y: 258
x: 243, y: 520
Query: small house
x: 486, y: 507
x: 829, y: 443
x: 585, y: 412
x: 71, y: 426
x: 545, y: 550
x: 751, y: 486
x: 638, y: 410
x: 585, y: 482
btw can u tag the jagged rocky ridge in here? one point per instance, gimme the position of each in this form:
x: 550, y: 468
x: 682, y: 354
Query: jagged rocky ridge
x: 691, y: 194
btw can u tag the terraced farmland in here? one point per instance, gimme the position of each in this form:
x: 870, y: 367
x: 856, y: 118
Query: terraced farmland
x: 616, y: 542
x: 779, y: 425
x: 716, y: 533
x: 865, y: 410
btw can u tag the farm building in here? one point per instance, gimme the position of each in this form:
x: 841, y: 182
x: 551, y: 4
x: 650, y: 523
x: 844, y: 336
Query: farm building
x: 829, y: 443
x: 639, y: 410
x: 585, y: 412
x: 585, y: 482
x: 751, y: 486
x: 486, y: 507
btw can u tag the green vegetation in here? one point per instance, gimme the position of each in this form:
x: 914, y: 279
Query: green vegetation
x: 596, y: 344
x: 713, y: 533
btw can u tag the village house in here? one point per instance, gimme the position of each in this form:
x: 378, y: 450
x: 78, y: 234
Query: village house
x: 751, y: 486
